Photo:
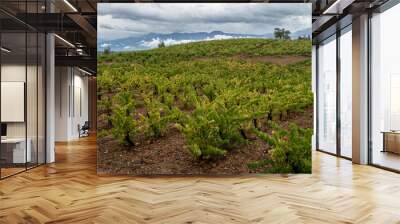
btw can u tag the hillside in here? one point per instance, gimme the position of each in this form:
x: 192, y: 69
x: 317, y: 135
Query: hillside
x: 214, y: 107
x: 151, y: 40
x: 217, y: 48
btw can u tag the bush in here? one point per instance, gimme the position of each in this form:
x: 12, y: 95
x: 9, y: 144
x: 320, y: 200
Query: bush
x: 211, y: 130
x: 124, y: 124
x: 291, y: 149
x: 158, y: 117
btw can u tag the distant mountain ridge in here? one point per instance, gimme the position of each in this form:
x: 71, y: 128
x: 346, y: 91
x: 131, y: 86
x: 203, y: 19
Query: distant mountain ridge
x: 151, y: 40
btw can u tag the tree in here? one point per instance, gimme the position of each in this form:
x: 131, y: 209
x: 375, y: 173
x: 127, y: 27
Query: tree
x: 286, y: 34
x: 278, y: 33
x: 161, y: 44
x: 282, y: 34
x: 107, y: 50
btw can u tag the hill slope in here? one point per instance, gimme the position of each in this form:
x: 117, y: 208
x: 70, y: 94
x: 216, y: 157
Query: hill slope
x: 216, y: 48
x: 214, y: 107
x: 151, y: 40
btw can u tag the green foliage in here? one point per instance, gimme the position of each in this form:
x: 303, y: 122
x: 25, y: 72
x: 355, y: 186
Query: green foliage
x: 124, y: 125
x: 102, y: 133
x: 258, y: 164
x: 104, y: 107
x: 282, y: 33
x: 217, y: 49
x: 189, y: 97
x: 105, y: 84
x: 107, y: 50
x: 212, y: 129
x: 291, y: 149
x: 213, y: 97
x: 161, y: 44
x: 157, y: 119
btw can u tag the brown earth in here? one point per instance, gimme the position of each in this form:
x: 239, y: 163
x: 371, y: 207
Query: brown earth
x: 169, y: 155
x: 275, y: 59
x: 282, y: 60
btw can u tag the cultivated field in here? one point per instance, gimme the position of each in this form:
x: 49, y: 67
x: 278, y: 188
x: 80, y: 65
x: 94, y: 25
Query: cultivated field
x: 215, y: 107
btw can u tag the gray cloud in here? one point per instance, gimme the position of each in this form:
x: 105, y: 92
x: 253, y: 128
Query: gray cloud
x: 118, y: 20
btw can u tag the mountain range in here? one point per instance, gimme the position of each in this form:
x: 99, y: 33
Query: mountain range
x: 151, y: 40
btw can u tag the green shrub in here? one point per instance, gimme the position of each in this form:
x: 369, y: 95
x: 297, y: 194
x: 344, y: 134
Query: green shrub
x: 158, y: 118
x: 291, y: 149
x: 124, y: 124
x: 211, y: 130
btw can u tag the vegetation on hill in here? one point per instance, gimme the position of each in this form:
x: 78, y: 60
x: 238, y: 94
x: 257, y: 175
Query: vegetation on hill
x: 216, y: 100
x: 219, y: 48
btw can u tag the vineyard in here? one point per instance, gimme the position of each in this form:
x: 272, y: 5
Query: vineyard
x: 213, y: 107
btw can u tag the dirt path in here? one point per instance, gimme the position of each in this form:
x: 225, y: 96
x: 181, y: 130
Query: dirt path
x: 282, y: 60
x: 274, y: 59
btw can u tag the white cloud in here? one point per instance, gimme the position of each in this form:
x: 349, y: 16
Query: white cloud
x: 168, y: 42
x: 156, y: 41
x: 119, y: 20
x: 223, y: 37
x: 105, y: 45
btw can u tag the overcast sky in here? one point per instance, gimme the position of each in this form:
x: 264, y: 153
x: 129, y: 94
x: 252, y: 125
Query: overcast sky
x: 119, y: 20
